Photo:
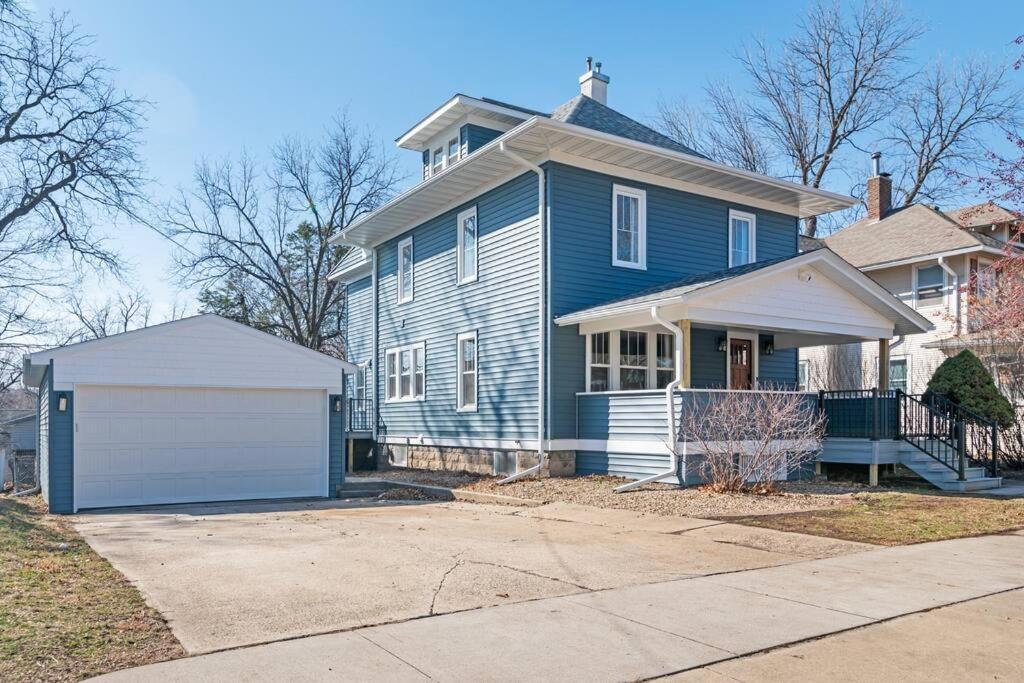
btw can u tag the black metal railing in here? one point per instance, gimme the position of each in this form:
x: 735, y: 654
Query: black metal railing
x: 953, y: 435
x: 360, y: 414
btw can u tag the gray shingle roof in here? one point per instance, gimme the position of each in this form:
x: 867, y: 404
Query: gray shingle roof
x: 982, y: 215
x: 913, y: 231
x: 589, y: 113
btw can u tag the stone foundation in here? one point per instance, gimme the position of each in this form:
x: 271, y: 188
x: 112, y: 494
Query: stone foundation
x: 476, y: 460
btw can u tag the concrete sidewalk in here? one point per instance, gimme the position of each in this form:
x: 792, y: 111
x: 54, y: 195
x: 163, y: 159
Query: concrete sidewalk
x: 637, y: 632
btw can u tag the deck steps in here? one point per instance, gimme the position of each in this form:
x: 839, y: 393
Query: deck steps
x: 942, y: 477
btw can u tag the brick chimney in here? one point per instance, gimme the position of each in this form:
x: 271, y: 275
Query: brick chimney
x: 879, y: 199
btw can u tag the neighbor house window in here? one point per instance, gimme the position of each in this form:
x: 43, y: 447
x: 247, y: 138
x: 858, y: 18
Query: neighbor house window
x: 801, y: 376
x: 467, y: 371
x: 438, y: 160
x: 453, y: 150
x: 632, y: 360
x: 406, y: 373
x: 931, y: 281
x: 898, y: 374
x: 742, y: 238
x: 665, y: 360
x: 467, y: 245
x: 629, y: 227
x: 600, y: 362
x: 405, y: 270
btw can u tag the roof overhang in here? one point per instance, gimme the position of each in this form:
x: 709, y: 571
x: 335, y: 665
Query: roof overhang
x: 884, y: 314
x: 981, y: 248
x: 352, y: 268
x: 450, y: 112
x: 540, y: 140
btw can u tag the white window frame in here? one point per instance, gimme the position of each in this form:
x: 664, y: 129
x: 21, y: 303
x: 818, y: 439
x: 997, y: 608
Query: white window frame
x: 937, y: 301
x: 613, y: 338
x: 401, y: 270
x: 359, y: 384
x: 804, y: 366
x: 396, y: 353
x: 735, y: 214
x: 448, y: 158
x: 459, y: 256
x: 437, y: 159
x: 641, y: 197
x: 652, y: 375
x: 906, y: 361
x: 646, y: 368
x: 460, y: 404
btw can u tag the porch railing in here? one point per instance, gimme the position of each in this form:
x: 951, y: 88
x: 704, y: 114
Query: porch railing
x: 860, y: 413
x: 360, y: 414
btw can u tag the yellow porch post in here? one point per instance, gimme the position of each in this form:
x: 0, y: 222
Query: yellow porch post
x: 684, y: 325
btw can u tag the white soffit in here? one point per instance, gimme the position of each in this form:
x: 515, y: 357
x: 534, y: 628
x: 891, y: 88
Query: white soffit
x: 450, y: 112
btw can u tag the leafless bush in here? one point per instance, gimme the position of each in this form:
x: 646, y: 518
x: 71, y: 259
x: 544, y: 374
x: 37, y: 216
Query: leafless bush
x: 750, y: 439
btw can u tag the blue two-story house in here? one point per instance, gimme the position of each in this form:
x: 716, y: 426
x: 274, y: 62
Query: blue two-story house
x: 556, y: 278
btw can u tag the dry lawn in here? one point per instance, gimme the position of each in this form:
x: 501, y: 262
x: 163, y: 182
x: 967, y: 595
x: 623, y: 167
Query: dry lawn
x: 65, y: 613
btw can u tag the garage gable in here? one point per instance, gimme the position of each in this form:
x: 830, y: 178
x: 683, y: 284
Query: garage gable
x: 201, y: 351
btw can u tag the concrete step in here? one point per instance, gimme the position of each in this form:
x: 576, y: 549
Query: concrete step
x: 364, y: 488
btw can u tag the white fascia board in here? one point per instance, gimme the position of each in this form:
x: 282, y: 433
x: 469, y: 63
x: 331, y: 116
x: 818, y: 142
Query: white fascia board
x: 932, y: 257
x: 409, y: 139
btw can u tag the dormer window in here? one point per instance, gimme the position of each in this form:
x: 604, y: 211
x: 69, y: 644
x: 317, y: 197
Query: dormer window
x: 438, y: 161
x: 453, y: 150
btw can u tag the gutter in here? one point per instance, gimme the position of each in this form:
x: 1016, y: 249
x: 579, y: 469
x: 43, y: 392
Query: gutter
x: 541, y: 326
x: 670, y: 403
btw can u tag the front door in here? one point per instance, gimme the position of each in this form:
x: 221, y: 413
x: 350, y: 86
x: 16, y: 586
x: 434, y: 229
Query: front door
x: 741, y: 364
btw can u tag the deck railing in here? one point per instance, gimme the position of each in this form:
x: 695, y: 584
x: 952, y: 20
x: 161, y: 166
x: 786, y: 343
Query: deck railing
x: 860, y: 413
x: 360, y: 414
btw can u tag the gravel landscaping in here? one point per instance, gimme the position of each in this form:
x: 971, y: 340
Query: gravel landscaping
x: 659, y: 499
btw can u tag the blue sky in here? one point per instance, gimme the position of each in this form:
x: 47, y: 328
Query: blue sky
x: 227, y: 76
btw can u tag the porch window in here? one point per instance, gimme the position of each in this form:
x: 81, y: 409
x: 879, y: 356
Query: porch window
x: 665, y: 364
x: 632, y: 360
x: 931, y: 281
x: 600, y: 362
x: 467, y: 364
x: 898, y: 374
x: 405, y: 270
x: 629, y: 227
x: 742, y: 238
x: 467, y: 246
x: 406, y: 374
x: 801, y: 375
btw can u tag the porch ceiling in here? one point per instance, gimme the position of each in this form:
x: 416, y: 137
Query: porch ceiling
x: 806, y: 300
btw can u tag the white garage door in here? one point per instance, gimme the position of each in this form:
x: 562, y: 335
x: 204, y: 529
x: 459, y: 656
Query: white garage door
x: 146, y: 445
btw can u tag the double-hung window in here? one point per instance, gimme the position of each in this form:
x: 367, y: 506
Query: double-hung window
x: 931, y: 281
x: 438, y: 161
x: 898, y: 374
x: 632, y: 360
x: 742, y: 238
x: 467, y: 249
x: 467, y: 372
x: 629, y: 227
x: 360, y: 383
x: 405, y: 373
x: 600, y: 361
x: 665, y: 366
x: 453, y: 150
x: 405, y: 270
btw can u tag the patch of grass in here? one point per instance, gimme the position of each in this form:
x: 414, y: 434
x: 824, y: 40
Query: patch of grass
x: 65, y: 613
x: 900, y: 518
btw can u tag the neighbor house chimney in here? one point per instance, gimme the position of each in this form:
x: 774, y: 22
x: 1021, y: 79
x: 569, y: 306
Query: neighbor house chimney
x: 879, y: 190
x: 594, y: 84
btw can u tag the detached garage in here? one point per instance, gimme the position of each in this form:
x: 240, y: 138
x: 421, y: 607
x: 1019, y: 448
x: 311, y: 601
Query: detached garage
x: 197, y: 410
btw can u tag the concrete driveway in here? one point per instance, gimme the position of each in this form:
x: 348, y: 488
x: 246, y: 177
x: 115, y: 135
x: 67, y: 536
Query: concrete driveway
x: 240, y: 574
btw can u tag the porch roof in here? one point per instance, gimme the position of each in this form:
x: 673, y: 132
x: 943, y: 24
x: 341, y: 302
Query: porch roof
x: 816, y: 297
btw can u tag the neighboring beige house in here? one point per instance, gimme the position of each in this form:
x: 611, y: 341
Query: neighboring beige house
x: 927, y: 258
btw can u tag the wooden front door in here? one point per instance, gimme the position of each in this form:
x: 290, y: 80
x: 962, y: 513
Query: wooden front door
x: 741, y: 364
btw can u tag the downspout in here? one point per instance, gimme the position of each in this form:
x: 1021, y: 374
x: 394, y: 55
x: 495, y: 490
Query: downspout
x: 541, y: 321
x: 956, y: 288
x: 373, y: 362
x: 670, y: 403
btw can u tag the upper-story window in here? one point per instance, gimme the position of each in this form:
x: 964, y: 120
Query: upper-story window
x: 931, y: 281
x: 467, y: 245
x: 629, y: 227
x: 742, y: 238
x: 453, y: 150
x: 405, y: 270
x: 438, y: 160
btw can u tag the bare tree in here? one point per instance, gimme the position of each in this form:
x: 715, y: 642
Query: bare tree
x: 749, y: 440
x: 940, y: 124
x: 68, y: 162
x: 127, y: 311
x: 258, y: 243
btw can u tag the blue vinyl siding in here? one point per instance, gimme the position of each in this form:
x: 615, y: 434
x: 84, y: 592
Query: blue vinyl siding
x: 61, y: 451
x: 501, y: 306
x: 472, y: 137
x: 686, y: 234
x: 779, y: 369
x: 335, y: 445
x: 358, y: 318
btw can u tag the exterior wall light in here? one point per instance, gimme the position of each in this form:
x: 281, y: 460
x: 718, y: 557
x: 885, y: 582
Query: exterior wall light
x: 337, y: 405
x: 62, y: 402
x: 721, y: 344
x: 768, y: 347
